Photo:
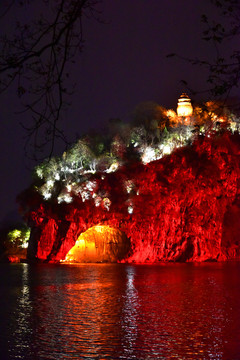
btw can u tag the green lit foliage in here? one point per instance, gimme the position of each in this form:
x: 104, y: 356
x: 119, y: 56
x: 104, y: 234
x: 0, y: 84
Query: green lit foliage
x: 19, y: 237
x: 14, y: 241
x: 47, y: 169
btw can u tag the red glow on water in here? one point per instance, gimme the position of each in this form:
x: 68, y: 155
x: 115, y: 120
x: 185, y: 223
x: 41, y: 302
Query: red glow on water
x: 113, y: 311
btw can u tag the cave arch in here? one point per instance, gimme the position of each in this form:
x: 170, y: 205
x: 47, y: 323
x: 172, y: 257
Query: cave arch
x: 100, y: 243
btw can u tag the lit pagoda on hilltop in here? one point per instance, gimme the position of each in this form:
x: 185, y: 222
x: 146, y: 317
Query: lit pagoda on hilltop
x: 184, y: 107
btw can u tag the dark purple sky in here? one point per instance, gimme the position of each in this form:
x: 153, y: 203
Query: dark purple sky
x: 123, y: 64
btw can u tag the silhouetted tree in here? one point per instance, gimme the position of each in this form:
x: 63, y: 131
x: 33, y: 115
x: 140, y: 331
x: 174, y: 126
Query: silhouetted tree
x: 37, y: 60
x: 224, y: 69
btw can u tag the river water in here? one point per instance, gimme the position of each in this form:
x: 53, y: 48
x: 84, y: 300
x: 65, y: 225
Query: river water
x: 120, y: 311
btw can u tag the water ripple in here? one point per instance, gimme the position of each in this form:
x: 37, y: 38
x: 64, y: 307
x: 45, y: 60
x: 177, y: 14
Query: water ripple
x: 119, y: 311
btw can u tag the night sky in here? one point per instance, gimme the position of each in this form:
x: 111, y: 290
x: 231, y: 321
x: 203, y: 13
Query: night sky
x: 123, y: 64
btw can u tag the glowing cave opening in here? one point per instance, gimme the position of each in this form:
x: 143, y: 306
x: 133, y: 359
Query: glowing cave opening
x: 100, y: 243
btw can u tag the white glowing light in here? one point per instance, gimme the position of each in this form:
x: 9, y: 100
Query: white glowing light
x: 24, y: 245
x: 233, y: 126
x: 91, y: 185
x: 130, y: 209
x: 50, y: 183
x: 64, y: 198
x: 85, y: 195
x: 148, y: 155
x: 69, y: 187
x: 47, y: 195
x: 166, y: 149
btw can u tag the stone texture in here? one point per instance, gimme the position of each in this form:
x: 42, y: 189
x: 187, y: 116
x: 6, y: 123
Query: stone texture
x: 99, y: 244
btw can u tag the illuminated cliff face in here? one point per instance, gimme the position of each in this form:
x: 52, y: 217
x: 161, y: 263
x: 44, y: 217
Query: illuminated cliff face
x: 183, y: 207
x: 99, y: 244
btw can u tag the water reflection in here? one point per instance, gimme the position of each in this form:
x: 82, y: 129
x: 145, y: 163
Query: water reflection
x: 130, y: 314
x: 22, y: 314
x: 119, y: 311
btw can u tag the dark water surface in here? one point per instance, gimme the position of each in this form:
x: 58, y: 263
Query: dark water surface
x: 118, y: 311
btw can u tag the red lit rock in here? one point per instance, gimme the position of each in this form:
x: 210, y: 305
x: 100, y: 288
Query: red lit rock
x: 184, y: 207
x: 13, y: 259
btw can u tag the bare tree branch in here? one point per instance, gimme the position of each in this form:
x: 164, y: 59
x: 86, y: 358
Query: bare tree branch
x: 36, y: 59
x: 224, y: 70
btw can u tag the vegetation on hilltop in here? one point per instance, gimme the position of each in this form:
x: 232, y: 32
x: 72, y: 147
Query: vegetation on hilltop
x: 154, y: 133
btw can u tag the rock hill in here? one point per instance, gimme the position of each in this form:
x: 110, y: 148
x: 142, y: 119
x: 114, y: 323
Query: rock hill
x: 182, y: 207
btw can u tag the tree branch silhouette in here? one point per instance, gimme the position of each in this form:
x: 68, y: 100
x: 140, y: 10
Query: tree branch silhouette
x: 37, y: 59
x: 223, y: 71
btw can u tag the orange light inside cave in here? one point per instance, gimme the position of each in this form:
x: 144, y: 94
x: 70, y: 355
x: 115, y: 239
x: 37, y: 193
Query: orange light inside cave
x: 100, y: 243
